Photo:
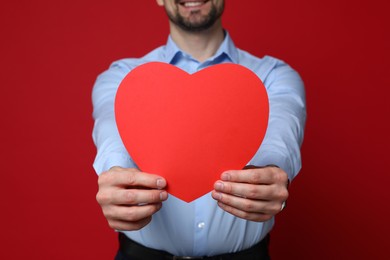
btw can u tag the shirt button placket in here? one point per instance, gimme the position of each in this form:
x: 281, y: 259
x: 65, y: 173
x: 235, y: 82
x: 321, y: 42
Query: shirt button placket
x: 201, y: 229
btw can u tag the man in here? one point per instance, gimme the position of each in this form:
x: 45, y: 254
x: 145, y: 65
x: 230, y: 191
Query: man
x: 233, y: 221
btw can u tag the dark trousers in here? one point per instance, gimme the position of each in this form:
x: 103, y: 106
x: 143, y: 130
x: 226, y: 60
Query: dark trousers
x: 130, y: 250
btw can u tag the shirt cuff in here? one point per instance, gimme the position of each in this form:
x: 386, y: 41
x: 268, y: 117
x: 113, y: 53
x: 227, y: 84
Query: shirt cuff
x: 121, y: 160
x: 272, y: 158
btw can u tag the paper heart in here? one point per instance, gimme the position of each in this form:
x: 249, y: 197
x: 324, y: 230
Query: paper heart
x: 191, y: 128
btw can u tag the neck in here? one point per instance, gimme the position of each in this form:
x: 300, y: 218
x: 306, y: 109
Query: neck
x: 200, y: 45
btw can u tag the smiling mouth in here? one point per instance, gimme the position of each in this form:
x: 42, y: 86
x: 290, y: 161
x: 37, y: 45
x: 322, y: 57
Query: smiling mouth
x: 192, y: 3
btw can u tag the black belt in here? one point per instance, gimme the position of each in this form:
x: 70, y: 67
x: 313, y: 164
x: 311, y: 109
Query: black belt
x: 135, y: 251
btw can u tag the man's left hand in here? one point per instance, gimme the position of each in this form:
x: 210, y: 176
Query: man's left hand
x: 255, y: 194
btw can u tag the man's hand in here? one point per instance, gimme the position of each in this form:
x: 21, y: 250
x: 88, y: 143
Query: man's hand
x: 129, y: 197
x: 255, y: 194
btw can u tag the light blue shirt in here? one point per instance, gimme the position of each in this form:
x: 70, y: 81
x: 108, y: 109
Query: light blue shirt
x: 201, y: 228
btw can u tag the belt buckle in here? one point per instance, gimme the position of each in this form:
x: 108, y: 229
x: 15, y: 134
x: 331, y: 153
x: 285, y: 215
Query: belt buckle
x: 186, y: 258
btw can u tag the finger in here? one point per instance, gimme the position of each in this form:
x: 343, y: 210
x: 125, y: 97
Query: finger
x: 266, y: 175
x: 128, y: 226
x: 131, y: 213
x: 131, y: 178
x: 247, y: 205
x: 258, y: 192
x: 259, y: 217
x: 138, y: 196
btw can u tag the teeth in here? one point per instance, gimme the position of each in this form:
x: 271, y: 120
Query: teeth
x: 192, y: 4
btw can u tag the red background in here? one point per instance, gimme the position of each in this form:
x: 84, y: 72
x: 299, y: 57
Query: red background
x: 52, y: 51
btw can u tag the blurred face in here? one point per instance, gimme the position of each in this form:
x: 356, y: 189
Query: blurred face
x: 193, y: 15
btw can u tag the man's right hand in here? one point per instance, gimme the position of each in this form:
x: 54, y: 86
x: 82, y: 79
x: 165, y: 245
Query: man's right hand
x: 129, y: 197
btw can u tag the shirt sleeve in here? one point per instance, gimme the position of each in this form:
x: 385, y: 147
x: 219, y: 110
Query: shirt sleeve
x: 284, y: 136
x: 110, y: 149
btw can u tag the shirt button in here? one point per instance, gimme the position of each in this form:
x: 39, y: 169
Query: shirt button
x: 201, y: 225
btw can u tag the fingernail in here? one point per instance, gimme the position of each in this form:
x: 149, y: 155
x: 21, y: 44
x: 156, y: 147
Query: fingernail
x: 217, y: 195
x: 161, y: 183
x: 163, y: 195
x: 225, y: 176
x: 218, y: 186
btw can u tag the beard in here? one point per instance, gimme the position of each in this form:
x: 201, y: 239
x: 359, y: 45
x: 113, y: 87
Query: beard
x: 196, y: 25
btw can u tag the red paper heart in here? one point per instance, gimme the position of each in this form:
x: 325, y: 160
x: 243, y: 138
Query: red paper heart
x: 191, y: 128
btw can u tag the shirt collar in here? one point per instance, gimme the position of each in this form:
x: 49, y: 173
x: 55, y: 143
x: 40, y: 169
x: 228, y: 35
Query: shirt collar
x: 227, y: 48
